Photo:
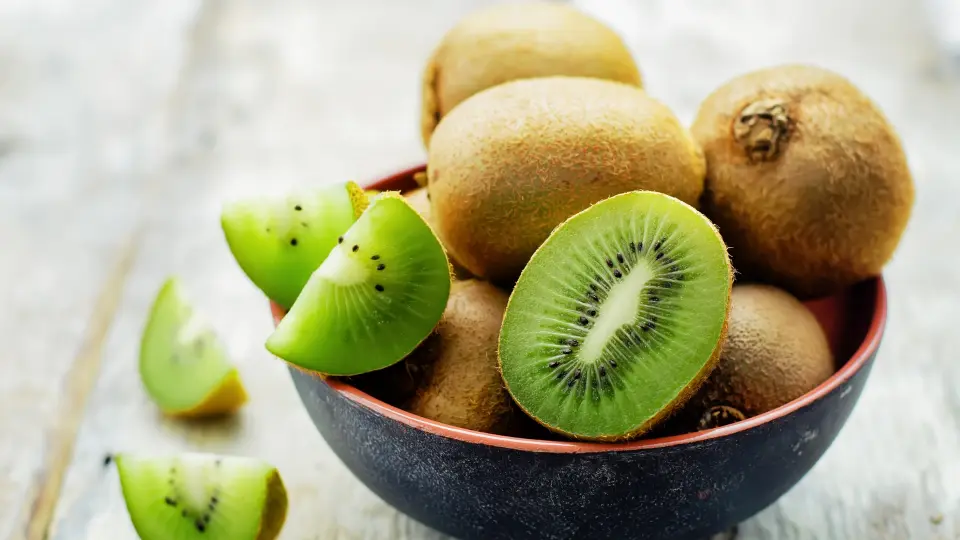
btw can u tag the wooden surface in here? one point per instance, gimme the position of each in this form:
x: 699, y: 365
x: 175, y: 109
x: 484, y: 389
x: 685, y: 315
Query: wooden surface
x: 125, y: 123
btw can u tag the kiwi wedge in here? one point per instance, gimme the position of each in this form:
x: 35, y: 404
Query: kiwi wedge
x: 618, y: 317
x: 505, y: 42
x: 193, y: 495
x: 279, y: 241
x: 806, y: 178
x: 183, y: 365
x: 462, y: 384
x: 375, y: 297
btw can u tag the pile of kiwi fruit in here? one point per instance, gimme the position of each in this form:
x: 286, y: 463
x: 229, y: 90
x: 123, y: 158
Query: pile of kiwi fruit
x: 575, y: 264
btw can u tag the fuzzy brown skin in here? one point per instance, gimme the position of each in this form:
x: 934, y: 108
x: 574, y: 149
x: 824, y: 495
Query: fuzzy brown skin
x: 420, y: 201
x: 816, y: 195
x: 506, y: 42
x: 775, y: 352
x: 513, y: 162
x: 463, y: 386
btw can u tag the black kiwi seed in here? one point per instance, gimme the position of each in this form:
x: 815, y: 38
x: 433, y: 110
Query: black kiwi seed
x: 620, y: 257
x: 573, y: 342
x: 659, y: 255
x: 592, y: 312
x: 639, y: 247
x: 566, y: 351
x: 562, y: 374
x: 617, y: 273
x: 613, y: 363
x: 375, y: 258
x: 583, y: 320
x: 553, y: 364
x: 340, y: 240
x: 200, y: 525
x: 107, y: 459
x: 378, y: 287
x: 293, y: 241
x: 603, y: 371
x: 170, y: 501
x: 593, y: 286
x: 610, y: 263
x: 381, y: 266
x: 633, y: 247
x: 298, y: 208
x: 355, y: 248
x: 654, y: 299
x: 576, y: 374
x: 571, y: 382
x: 206, y: 518
x: 214, y: 499
x: 674, y: 268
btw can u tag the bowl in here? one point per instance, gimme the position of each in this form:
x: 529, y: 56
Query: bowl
x: 474, y: 485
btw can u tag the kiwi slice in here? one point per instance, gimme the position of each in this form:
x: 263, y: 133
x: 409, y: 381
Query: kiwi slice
x: 183, y: 365
x: 194, y: 495
x: 279, y: 241
x: 618, y: 317
x: 377, y: 295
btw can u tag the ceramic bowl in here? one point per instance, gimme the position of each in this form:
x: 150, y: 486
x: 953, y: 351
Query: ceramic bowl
x: 474, y: 485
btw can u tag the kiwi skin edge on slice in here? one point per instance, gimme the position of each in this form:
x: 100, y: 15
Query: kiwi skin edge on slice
x: 645, y: 275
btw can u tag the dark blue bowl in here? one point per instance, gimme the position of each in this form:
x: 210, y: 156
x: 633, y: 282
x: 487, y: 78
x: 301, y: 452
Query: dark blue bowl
x: 474, y: 485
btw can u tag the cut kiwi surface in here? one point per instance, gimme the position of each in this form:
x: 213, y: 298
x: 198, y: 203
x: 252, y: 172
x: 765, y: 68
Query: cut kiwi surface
x: 279, y: 241
x: 618, y: 317
x: 379, y: 293
x: 183, y: 365
x: 193, y: 495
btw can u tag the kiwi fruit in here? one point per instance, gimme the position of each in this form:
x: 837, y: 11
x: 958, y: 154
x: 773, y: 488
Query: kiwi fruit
x: 512, y: 162
x: 419, y: 199
x: 194, y: 495
x: 463, y: 386
x: 775, y: 352
x: 806, y: 179
x: 376, y: 296
x: 505, y: 42
x: 618, y: 317
x: 279, y: 241
x: 183, y: 365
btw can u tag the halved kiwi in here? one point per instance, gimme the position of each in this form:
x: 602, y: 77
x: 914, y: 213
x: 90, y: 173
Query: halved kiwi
x: 183, y: 364
x: 192, y: 495
x: 379, y: 293
x: 618, y: 317
x: 279, y: 241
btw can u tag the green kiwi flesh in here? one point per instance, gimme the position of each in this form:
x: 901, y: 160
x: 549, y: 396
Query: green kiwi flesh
x: 192, y: 495
x: 182, y: 362
x: 379, y: 293
x: 279, y: 241
x: 617, y: 318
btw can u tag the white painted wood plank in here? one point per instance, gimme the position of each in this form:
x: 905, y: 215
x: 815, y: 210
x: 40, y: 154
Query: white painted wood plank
x: 75, y: 145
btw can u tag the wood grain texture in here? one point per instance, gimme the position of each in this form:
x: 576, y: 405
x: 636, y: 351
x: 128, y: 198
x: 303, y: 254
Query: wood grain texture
x: 118, y: 113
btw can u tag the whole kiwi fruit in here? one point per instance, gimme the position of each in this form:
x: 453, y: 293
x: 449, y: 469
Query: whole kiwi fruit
x: 775, y: 351
x: 514, y: 161
x: 505, y: 42
x: 806, y: 178
x: 461, y: 385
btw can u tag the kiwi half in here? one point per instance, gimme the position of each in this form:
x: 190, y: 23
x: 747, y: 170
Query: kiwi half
x: 183, y: 365
x: 376, y: 296
x: 505, y: 42
x: 512, y: 162
x: 192, y: 496
x: 279, y: 241
x: 806, y: 179
x: 617, y: 318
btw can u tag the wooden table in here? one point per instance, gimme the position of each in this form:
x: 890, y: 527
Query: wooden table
x: 125, y: 123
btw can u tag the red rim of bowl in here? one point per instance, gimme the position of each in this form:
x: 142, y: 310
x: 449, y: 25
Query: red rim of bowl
x: 868, y: 347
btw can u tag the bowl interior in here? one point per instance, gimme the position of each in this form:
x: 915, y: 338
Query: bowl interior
x: 853, y: 321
